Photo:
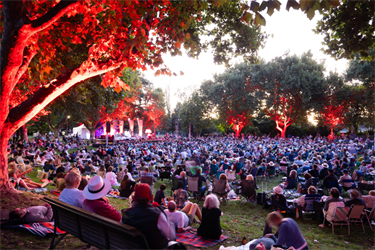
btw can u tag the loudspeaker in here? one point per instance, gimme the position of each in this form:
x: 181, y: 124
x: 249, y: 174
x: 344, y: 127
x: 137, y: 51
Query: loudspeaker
x: 108, y: 127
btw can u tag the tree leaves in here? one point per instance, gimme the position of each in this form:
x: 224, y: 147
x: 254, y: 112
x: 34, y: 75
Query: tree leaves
x: 259, y: 20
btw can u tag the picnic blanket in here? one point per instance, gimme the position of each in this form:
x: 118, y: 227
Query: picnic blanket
x: 191, y: 238
x: 55, y: 192
x: 41, y: 229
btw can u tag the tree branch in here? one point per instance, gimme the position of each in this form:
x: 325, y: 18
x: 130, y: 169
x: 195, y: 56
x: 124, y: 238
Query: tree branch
x: 52, y: 15
x: 41, y: 98
x: 28, y: 56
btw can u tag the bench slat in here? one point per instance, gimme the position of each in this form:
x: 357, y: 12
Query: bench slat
x: 94, y: 229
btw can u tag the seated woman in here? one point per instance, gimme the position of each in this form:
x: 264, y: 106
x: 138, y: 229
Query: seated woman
x: 210, y: 224
x: 302, y: 188
x: 224, y: 177
x: 291, y: 180
x: 213, y: 168
x: 101, y: 171
x: 127, y: 186
x: 283, y: 165
x: 230, y: 173
x: 306, y: 202
x: 278, y: 200
x: 95, y: 200
x: 111, y: 176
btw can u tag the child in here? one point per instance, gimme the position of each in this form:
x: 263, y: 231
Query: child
x: 160, y: 197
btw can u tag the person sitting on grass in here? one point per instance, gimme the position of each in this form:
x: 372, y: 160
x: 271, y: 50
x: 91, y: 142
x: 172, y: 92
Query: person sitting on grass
x: 19, y: 178
x: 183, y: 219
x: 180, y: 196
x: 210, y: 223
x: 150, y: 220
x: 160, y: 197
x: 289, y: 234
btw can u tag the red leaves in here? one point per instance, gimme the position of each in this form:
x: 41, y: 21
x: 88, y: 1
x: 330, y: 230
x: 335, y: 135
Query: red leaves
x: 111, y: 80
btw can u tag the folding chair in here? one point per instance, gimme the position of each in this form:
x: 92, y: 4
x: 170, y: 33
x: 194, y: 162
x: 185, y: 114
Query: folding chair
x: 339, y: 217
x: 348, y: 181
x: 219, y: 188
x: 192, y: 187
x: 165, y: 173
x: 309, y: 205
x: 271, y: 172
x: 261, y: 173
x: 248, y: 191
x: 175, y: 181
x: 370, y: 214
x: 356, y: 215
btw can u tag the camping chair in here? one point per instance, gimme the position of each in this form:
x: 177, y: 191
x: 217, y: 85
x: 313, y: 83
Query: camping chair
x: 356, y: 215
x: 254, y: 171
x: 165, y: 173
x: 248, y: 191
x: 309, y: 205
x: 219, y: 188
x: 175, y: 181
x: 238, y: 167
x: 192, y: 186
x: 339, y: 217
x: 370, y: 214
x: 271, y: 172
x: 148, y: 180
x: 261, y: 173
x: 348, y: 181
x: 213, y: 169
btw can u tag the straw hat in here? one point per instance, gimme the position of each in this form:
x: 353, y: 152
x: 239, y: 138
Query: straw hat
x: 96, y: 188
x: 278, y: 190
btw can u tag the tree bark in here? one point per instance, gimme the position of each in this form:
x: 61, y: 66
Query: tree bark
x: 5, y: 186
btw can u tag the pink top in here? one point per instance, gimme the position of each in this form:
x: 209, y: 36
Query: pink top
x: 102, y: 208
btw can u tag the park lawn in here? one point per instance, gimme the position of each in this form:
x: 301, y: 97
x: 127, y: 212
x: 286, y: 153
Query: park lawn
x: 238, y: 221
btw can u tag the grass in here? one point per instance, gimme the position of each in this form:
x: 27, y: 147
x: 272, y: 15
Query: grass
x: 239, y: 220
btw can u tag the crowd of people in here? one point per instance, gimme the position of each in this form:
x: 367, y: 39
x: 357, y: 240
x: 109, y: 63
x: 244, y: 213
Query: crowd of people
x: 84, y: 176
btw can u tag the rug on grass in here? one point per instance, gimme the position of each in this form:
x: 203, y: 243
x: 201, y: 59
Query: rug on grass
x: 54, y: 192
x: 41, y: 229
x: 191, y: 238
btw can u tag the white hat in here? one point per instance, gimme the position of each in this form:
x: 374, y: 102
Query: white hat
x: 278, y: 190
x: 325, y: 165
x: 271, y: 163
x: 96, y: 188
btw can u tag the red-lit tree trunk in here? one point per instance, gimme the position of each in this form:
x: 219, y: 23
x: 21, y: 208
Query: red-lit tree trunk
x: 16, y: 55
x: 5, y: 185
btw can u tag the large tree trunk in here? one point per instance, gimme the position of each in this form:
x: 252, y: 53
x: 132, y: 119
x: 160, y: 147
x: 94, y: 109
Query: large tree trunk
x: 5, y: 186
x: 92, y: 134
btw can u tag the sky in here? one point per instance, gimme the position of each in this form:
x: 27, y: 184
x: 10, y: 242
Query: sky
x: 292, y: 31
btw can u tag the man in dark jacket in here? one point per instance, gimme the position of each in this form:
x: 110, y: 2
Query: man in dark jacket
x: 149, y: 219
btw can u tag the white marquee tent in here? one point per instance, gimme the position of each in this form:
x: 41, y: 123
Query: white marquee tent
x: 82, y: 132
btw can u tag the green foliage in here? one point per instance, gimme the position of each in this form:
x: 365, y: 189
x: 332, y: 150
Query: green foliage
x: 349, y: 29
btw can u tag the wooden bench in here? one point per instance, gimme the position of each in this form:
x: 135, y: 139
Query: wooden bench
x: 94, y: 229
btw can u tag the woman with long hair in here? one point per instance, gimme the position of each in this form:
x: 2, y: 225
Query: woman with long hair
x: 210, y: 225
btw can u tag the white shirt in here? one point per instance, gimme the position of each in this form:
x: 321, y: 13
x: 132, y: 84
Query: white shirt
x: 180, y: 219
x: 72, y: 196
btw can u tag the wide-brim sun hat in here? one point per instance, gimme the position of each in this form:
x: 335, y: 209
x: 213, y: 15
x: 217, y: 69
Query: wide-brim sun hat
x: 271, y: 163
x: 278, y: 190
x: 96, y: 188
